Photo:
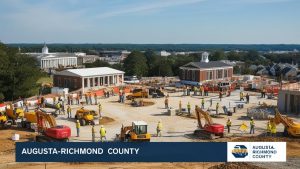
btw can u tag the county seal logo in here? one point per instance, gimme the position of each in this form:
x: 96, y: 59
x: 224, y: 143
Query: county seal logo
x: 240, y: 151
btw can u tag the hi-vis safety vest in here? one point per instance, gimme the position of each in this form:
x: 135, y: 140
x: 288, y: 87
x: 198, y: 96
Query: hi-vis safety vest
x: 102, y: 132
x: 69, y: 109
x: 77, y: 125
x: 202, y: 101
x: 252, y: 123
x: 269, y: 127
x: 273, y: 128
x: 228, y: 123
x: 159, y: 126
x: 188, y: 106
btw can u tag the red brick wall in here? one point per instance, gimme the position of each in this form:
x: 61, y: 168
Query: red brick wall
x: 71, y: 82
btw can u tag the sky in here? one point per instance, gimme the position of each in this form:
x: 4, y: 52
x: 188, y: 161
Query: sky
x: 150, y: 21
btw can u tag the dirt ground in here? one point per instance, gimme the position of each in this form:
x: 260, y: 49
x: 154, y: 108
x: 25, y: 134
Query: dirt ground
x: 175, y: 129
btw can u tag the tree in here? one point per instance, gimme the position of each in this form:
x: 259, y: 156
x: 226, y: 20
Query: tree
x: 18, y: 74
x: 232, y: 55
x: 217, y: 55
x: 97, y: 63
x: 153, y: 62
x: 136, y: 64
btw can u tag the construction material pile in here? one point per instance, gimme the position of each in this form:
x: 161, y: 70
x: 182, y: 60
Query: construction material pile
x: 261, y: 113
x: 235, y: 166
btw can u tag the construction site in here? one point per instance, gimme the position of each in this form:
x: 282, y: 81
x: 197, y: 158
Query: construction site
x: 152, y: 110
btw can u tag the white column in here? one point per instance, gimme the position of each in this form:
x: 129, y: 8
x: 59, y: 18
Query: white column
x: 113, y: 79
x: 93, y: 81
x: 82, y: 83
x: 88, y: 83
x: 98, y: 81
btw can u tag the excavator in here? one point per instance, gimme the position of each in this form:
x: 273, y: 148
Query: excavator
x: 85, y: 116
x: 14, y: 113
x: 290, y: 127
x: 48, y: 130
x: 138, y: 93
x: 209, y: 129
x: 137, y: 132
x: 3, y: 119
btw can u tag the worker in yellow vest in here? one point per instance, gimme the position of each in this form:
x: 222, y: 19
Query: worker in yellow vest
x: 93, y: 133
x: 228, y: 124
x: 189, y: 108
x: 252, y: 124
x: 202, y: 103
x: 77, y: 127
x: 102, y: 133
x: 100, y: 110
x: 268, y: 129
x: 273, y: 129
x: 217, y: 108
x: 159, y: 128
x: 69, y: 111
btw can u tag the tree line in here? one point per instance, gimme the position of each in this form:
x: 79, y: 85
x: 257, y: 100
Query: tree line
x: 18, y: 74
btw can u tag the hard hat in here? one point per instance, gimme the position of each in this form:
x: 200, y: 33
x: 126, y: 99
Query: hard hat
x: 159, y: 121
x: 77, y: 120
x: 251, y: 118
x: 101, y: 126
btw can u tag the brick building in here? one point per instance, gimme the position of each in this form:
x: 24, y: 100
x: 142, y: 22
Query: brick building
x: 88, y: 78
x: 195, y: 73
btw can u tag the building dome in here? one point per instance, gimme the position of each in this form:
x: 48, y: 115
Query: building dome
x: 45, y: 49
x: 205, y: 57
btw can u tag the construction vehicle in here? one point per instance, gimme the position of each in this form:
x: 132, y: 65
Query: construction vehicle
x: 290, y: 127
x: 138, y: 93
x: 48, y: 130
x: 3, y: 119
x: 29, y: 118
x: 14, y: 113
x: 209, y: 129
x: 85, y: 116
x: 156, y: 93
x: 137, y: 132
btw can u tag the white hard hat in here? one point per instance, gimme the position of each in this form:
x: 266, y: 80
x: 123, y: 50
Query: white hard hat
x: 77, y: 120
x: 101, y: 126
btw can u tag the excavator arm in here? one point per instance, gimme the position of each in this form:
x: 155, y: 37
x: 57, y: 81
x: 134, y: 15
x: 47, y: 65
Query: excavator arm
x: 203, y: 114
x: 44, y: 121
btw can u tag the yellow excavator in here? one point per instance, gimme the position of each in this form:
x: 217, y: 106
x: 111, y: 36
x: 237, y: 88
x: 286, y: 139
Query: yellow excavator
x: 14, y: 113
x: 137, y: 132
x: 290, y: 127
x: 3, y: 119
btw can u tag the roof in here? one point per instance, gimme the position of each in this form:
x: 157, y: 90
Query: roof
x: 206, y: 65
x: 139, y: 123
x: 85, y: 72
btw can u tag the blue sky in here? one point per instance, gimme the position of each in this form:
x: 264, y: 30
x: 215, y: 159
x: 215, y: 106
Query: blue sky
x: 150, y: 21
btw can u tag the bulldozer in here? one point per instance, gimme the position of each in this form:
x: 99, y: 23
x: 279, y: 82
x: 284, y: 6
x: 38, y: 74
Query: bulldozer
x: 209, y: 130
x: 290, y: 127
x: 85, y: 116
x: 29, y: 118
x: 48, y: 130
x: 3, y: 119
x: 138, y: 93
x: 137, y: 132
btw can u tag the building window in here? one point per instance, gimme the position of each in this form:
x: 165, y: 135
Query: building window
x: 75, y: 83
x: 209, y: 75
x: 219, y: 74
x: 193, y: 75
x: 225, y: 73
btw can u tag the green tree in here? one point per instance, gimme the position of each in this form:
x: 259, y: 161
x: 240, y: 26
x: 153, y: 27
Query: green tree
x: 136, y: 64
x: 217, y: 55
x: 232, y: 55
x: 97, y: 63
x: 18, y: 74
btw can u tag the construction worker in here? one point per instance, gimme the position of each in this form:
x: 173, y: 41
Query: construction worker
x: 228, y: 124
x: 86, y: 98
x: 69, y: 112
x: 102, y: 133
x: 211, y: 102
x: 268, y: 128
x: 159, y: 128
x: 93, y: 133
x: 252, y: 124
x: 189, y: 108
x: 202, y: 103
x: 166, y: 103
x: 78, y: 98
x: 77, y: 127
x: 247, y: 98
x: 100, y: 110
x: 58, y: 107
x: 273, y: 129
x: 220, y: 95
x: 201, y: 90
x: 90, y: 98
x: 95, y: 97
x: 217, y: 108
x: 241, y: 96
x: 180, y: 106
